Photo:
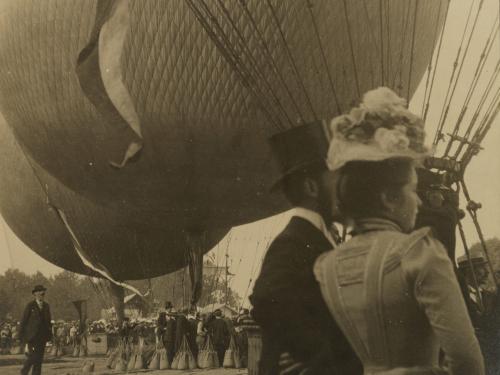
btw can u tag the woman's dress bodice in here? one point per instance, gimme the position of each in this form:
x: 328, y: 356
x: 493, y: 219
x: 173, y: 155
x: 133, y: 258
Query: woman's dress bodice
x: 397, y: 300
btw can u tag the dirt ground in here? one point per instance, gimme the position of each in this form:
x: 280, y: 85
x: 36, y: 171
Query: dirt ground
x: 11, y: 365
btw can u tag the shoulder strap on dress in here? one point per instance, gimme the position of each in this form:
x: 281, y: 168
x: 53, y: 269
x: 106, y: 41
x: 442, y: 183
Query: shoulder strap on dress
x: 330, y: 287
x: 374, y: 277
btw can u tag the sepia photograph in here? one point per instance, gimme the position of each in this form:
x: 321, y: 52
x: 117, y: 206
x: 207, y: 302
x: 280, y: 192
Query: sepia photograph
x: 250, y: 187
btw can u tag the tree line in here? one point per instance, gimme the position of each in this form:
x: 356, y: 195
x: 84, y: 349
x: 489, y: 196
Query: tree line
x: 65, y: 287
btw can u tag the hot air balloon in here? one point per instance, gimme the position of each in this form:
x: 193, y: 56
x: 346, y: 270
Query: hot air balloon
x: 208, y: 83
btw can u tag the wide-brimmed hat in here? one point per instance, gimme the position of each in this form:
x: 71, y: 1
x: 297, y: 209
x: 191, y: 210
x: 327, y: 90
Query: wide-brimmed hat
x: 298, y: 148
x: 38, y: 288
x: 476, y: 257
x: 380, y: 128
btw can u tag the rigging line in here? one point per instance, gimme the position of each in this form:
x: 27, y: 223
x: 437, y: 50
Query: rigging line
x: 373, y: 40
x: 97, y: 292
x: 381, y: 43
x: 488, y: 118
x: 472, y: 88
x: 439, y: 132
x: 436, y: 63
x: 487, y: 91
x: 234, y: 58
x: 455, y: 83
x: 417, y: 2
x: 323, y: 56
x: 471, y: 265
x: 349, y: 34
x: 253, y: 63
x: 479, y: 69
x: 244, y: 79
x: 473, y: 215
x: 235, y: 272
x: 291, y: 59
x: 399, y: 68
x: 215, y: 282
x: 370, y: 25
x: 388, y: 33
x: 270, y: 58
x: 478, y: 138
x: 493, y: 101
x: 432, y: 66
x: 480, y: 106
x: 252, y: 272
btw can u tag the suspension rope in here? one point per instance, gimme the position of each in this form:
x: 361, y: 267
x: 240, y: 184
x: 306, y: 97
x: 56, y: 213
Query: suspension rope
x: 349, y: 35
x: 244, y: 45
x: 455, y: 130
x: 234, y: 63
x: 381, y: 21
x: 323, y: 56
x: 217, y: 275
x: 429, y: 84
x: 399, y: 69
x: 445, y: 109
x: 472, y: 88
x: 490, y: 114
x: 473, y: 146
x: 373, y: 39
x: 252, y: 273
x: 99, y: 294
x: 270, y: 57
x: 472, y: 208
x: 388, y: 60
x: 479, y: 69
x: 238, y: 64
x: 414, y: 32
x: 291, y: 59
x: 471, y: 265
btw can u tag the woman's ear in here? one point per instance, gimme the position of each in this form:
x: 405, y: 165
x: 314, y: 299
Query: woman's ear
x: 311, y: 187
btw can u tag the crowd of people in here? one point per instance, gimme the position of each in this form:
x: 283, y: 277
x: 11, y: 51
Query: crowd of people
x: 168, y: 329
x: 172, y: 327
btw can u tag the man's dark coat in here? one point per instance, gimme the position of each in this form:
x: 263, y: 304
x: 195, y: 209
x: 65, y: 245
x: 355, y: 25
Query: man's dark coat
x: 35, y: 330
x: 36, y: 324
x: 288, y: 305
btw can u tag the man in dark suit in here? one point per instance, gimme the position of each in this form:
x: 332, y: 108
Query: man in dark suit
x: 35, y: 331
x: 169, y: 338
x: 286, y: 299
x: 219, y: 332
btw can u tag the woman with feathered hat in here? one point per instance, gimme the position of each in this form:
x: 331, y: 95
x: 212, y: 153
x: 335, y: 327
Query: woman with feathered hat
x: 391, y: 289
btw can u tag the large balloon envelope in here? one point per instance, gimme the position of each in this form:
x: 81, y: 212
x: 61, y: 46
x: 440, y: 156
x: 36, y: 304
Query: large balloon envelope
x: 127, y: 244
x: 207, y: 94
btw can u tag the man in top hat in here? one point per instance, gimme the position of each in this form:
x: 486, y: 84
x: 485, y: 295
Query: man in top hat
x: 35, y: 331
x: 287, y: 302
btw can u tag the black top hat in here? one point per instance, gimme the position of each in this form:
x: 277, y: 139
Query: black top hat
x: 299, y: 147
x: 38, y: 288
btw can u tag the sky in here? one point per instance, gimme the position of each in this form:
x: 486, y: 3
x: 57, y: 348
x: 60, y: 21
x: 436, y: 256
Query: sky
x: 246, y: 244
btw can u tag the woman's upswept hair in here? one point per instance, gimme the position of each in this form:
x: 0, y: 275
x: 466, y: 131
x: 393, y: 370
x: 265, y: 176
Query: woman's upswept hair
x: 361, y: 184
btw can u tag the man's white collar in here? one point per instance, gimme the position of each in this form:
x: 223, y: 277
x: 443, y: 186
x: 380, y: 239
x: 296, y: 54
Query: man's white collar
x: 315, y: 219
